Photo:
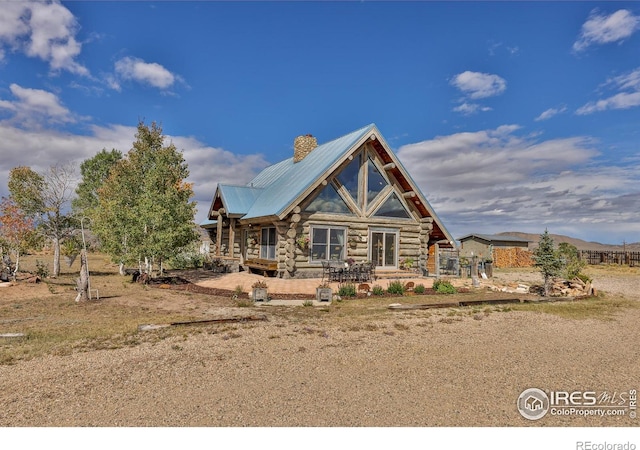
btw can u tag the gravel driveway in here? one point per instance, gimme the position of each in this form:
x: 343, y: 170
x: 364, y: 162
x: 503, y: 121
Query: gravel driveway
x: 411, y: 368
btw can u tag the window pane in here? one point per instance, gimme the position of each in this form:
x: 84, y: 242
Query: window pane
x: 376, y: 181
x: 329, y: 201
x: 268, y: 243
x: 319, y: 236
x: 349, y: 177
x: 390, y: 249
x: 319, y: 240
x: 319, y: 252
x: 336, y: 250
x: 377, y: 248
x: 392, y: 207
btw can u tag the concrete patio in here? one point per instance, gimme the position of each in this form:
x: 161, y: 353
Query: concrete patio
x: 290, y: 286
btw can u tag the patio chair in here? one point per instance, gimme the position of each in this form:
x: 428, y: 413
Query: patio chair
x: 336, y: 272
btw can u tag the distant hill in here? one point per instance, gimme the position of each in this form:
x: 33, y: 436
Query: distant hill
x: 579, y: 243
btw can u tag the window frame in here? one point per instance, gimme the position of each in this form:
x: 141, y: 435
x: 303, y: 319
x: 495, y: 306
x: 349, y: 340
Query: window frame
x: 327, y: 245
x: 264, y: 248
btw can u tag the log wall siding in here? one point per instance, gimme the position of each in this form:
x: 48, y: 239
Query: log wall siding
x: 412, y: 242
x: 413, y: 239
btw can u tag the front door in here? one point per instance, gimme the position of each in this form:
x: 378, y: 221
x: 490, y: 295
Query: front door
x: 384, y: 248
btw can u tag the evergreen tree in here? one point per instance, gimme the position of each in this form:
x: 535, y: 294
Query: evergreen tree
x: 546, y: 258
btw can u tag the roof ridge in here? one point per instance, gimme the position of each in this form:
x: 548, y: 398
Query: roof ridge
x: 372, y: 124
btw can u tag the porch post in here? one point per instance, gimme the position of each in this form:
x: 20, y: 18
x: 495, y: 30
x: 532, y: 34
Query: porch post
x: 232, y: 236
x: 437, y: 259
x: 219, y: 232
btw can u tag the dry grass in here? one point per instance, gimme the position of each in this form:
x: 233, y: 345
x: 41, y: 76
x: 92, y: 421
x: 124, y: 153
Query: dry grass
x: 54, y: 324
x: 601, y: 307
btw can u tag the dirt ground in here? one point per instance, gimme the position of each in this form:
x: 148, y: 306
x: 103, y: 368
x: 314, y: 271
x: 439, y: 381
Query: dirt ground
x: 335, y: 367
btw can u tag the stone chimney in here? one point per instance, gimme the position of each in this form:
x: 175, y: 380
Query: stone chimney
x: 302, y: 146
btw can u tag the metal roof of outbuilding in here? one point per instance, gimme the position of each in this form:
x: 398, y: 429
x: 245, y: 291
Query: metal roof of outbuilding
x: 493, y: 238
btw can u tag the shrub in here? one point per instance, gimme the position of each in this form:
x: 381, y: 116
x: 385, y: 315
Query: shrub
x: 572, y: 263
x: 239, y: 290
x: 584, y: 278
x: 377, y: 290
x: 307, y: 303
x: 259, y: 284
x: 396, y: 287
x: 187, y: 260
x: 347, y: 290
x: 419, y: 289
x: 443, y: 287
x: 42, y: 269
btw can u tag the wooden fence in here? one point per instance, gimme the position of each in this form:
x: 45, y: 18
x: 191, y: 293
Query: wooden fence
x: 603, y: 257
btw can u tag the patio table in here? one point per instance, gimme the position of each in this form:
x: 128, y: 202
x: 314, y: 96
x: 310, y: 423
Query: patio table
x: 342, y: 272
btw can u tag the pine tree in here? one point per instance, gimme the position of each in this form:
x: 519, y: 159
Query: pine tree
x: 546, y: 258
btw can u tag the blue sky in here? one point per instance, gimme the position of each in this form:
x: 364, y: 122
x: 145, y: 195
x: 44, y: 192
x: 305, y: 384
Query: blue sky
x: 511, y: 116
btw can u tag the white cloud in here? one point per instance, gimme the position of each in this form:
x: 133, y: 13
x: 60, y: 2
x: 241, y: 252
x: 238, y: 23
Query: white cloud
x: 41, y: 148
x: 143, y: 72
x: 549, y: 113
x: 44, y: 30
x: 478, y: 85
x: 602, y: 29
x: 470, y: 108
x: 496, y: 180
x: 34, y: 107
x: 629, y: 96
x: 475, y: 86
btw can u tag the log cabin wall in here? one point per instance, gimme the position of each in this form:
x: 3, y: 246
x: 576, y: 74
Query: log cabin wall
x: 295, y: 260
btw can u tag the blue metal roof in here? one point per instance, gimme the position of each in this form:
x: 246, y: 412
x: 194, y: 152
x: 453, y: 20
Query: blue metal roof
x: 270, y: 174
x: 238, y: 199
x: 208, y: 223
x: 288, y: 180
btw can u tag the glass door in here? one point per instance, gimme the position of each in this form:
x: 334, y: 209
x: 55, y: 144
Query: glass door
x: 384, y: 249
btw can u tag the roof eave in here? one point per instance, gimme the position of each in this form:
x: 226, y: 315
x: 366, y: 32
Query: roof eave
x: 416, y: 189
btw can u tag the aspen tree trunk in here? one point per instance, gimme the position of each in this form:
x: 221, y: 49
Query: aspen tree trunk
x: 82, y: 283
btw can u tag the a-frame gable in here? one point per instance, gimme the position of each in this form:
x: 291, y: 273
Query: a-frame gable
x: 360, y: 186
x: 297, y: 180
x: 410, y: 190
x: 235, y: 200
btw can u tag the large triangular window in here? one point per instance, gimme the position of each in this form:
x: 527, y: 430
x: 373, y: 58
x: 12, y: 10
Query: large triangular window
x: 375, y: 181
x: 328, y: 201
x: 392, y: 207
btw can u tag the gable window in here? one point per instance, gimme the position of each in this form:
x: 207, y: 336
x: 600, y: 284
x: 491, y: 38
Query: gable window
x: 268, y: 243
x: 375, y: 181
x: 328, y: 201
x: 327, y: 243
x: 392, y: 207
x: 349, y: 178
